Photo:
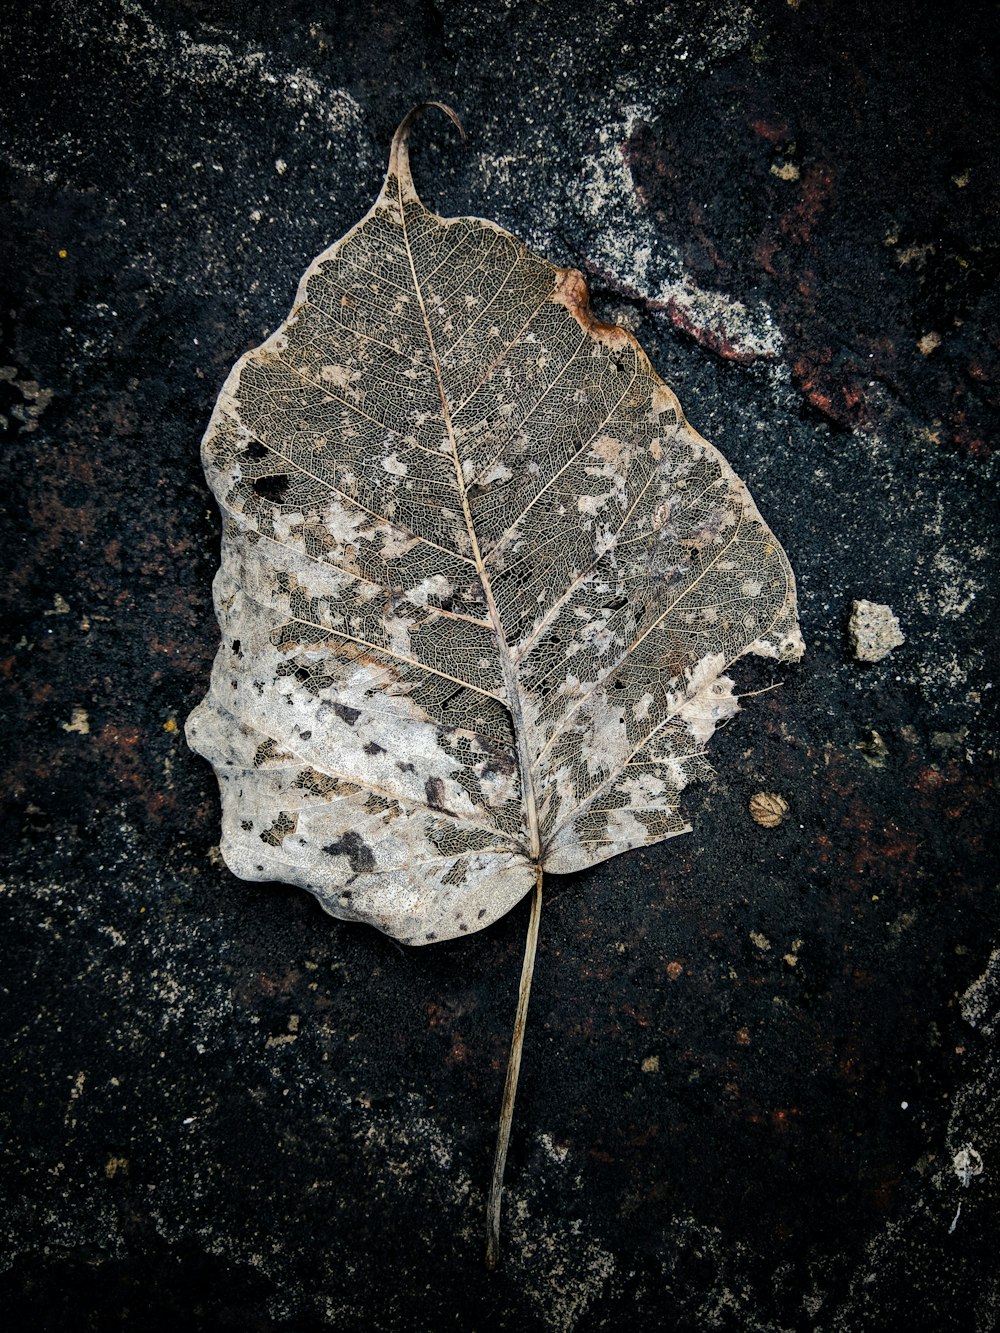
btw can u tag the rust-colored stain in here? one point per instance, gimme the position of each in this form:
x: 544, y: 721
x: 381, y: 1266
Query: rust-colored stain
x: 459, y: 1052
x: 270, y: 984
x: 638, y: 1016
x: 816, y: 186
x: 894, y: 845
x: 121, y: 746
x: 929, y: 780
x: 772, y: 133
x: 781, y: 1117
x: 824, y: 390
x: 57, y: 525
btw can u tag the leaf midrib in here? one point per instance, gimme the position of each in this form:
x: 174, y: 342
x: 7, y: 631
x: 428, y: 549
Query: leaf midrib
x: 512, y: 684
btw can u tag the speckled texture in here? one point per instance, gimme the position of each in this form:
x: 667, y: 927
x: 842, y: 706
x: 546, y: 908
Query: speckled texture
x: 753, y: 1096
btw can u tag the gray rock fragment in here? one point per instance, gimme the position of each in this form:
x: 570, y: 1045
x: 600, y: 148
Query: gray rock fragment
x: 873, y: 631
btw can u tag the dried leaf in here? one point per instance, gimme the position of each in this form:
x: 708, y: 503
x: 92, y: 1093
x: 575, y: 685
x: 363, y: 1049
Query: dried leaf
x: 768, y: 809
x: 480, y: 581
x: 480, y: 586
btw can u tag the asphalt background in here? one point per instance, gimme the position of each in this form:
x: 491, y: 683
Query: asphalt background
x: 760, y: 1083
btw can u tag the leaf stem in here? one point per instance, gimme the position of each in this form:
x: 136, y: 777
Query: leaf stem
x: 510, y: 1083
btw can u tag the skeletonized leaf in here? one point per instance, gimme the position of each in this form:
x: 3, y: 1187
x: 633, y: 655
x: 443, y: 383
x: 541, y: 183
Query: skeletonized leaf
x: 480, y: 584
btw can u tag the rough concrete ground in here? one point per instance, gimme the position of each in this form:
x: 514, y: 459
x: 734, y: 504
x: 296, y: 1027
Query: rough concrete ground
x: 760, y: 1086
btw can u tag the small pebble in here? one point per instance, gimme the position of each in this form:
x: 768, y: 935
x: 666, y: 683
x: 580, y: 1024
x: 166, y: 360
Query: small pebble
x: 873, y: 631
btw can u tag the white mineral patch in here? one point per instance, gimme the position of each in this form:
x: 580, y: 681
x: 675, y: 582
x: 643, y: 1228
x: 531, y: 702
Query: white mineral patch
x: 630, y: 251
x: 219, y: 65
x: 952, y: 582
x: 966, y: 1163
x: 873, y: 631
x: 981, y: 1002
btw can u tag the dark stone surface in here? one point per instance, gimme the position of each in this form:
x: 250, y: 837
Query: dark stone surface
x: 753, y: 1096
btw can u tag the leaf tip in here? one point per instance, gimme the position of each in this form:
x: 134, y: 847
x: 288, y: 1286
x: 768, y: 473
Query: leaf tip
x: 399, y: 153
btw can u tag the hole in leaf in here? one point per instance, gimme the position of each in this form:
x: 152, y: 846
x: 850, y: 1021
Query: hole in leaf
x: 271, y: 488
